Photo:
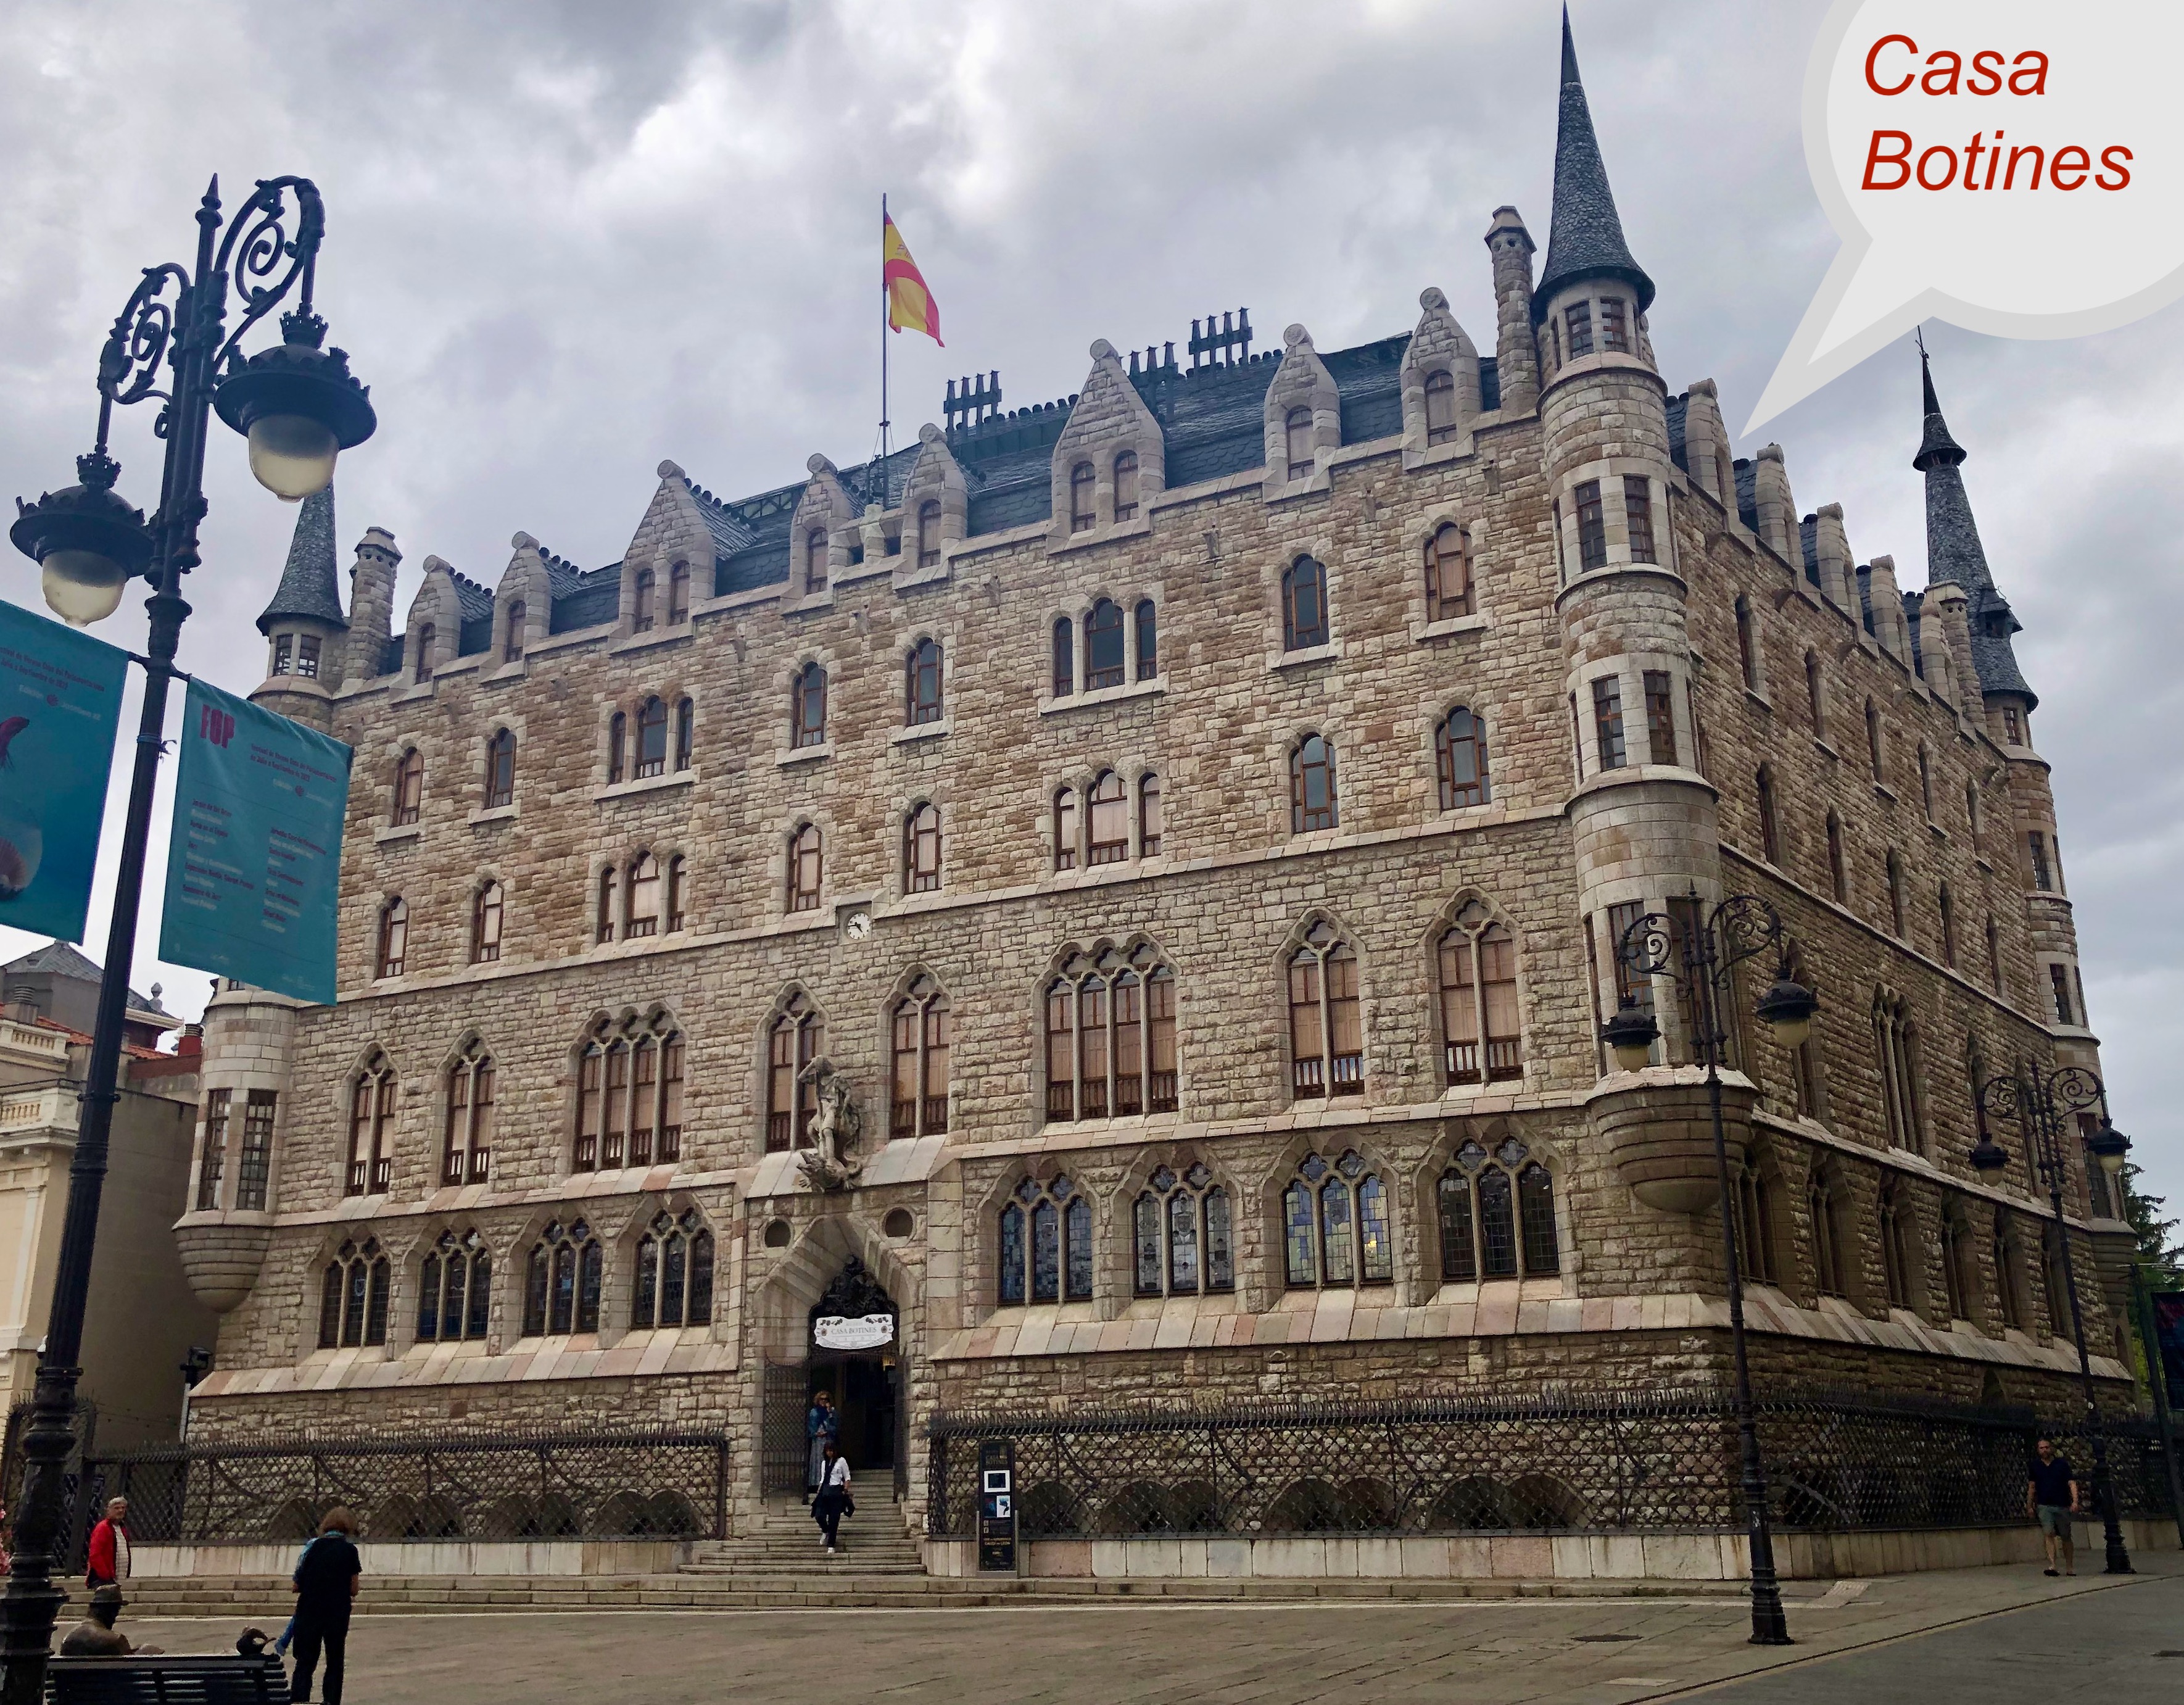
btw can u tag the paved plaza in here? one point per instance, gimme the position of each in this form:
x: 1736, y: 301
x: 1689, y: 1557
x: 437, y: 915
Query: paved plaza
x: 1985, y: 1635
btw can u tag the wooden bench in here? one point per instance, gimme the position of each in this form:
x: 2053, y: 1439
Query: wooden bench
x: 218, y: 1679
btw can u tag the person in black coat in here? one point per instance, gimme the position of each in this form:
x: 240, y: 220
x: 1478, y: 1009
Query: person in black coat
x: 325, y: 1584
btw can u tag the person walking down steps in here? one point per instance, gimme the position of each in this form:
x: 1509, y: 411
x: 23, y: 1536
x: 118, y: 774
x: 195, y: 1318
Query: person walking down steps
x: 832, y: 1501
x: 823, y: 1427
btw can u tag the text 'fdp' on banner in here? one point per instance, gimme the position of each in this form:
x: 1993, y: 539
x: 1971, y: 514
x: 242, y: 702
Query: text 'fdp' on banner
x: 253, y: 864
x: 60, y: 703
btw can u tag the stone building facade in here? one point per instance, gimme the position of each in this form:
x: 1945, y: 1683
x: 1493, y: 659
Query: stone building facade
x: 1194, y: 821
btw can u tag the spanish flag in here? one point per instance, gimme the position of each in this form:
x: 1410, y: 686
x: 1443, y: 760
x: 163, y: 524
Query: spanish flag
x: 910, y: 306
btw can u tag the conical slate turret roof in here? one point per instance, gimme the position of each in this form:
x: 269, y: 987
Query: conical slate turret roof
x: 308, y: 584
x: 1954, y: 553
x: 1584, y: 237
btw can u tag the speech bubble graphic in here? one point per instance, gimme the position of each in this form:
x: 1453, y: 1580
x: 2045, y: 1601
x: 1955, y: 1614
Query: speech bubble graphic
x: 2012, y: 166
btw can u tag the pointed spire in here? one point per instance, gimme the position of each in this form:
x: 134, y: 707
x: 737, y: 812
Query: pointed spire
x: 309, y: 586
x: 1954, y: 553
x: 1585, y: 235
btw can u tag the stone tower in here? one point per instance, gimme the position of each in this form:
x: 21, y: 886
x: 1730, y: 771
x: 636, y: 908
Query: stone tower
x: 303, y: 625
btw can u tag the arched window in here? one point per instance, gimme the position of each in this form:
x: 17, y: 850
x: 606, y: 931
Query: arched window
x: 1770, y: 833
x: 511, y: 641
x: 1304, y: 604
x: 920, y: 849
x: 1126, y: 485
x: 1479, y: 981
x: 427, y: 640
x: 1065, y: 828
x: 1838, y: 868
x: 1448, y: 573
x: 562, y: 1281
x: 1824, y: 1207
x: 677, y: 885
x: 2009, y: 1274
x: 1927, y: 781
x: 1496, y: 1209
x: 1110, y: 1038
x: 922, y: 684
x: 1149, y: 815
x: 371, y: 1128
x: 1440, y: 406
x: 1148, y: 640
x: 1994, y: 955
x: 928, y: 533
x: 1755, y: 1225
x: 805, y: 868
x: 393, y: 937
x: 807, y: 708
x: 629, y: 1096
x: 672, y: 1285
x: 1747, y: 644
x: 2056, y: 1283
x: 678, y: 594
x: 643, y: 897
x: 1804, y: 1073
x: 1296, y: 440
x: 1897, y: 1243
x: 686, y: 731
x: 408, y: 786
x: 500, y: 770
x: 1312, y: 786
x: 1335, y: 1231
x: 1181, y: 1242
x: 467, y: 1154
x: 605, y: 918
x: 486, y: 906
x: 1873, y: 744
x: 353, y: 1297
x: 1084, y: 514
x: 797, y: 1037
x: 1959, y: 1277
x: 641, y: 603
x: 651, y: 738
x: 1895, y: 1045
x: 1896, y: 908
x: 1460, y: 759
x: 1327, y: 1033
x: 918, y: 1107
x: 1948, y: 911
x: 617, y: 747
x: 1103, y: 646
x: 1972, y: 813
x: 1045, y: 1244
x: 1816, y: 697
x: 815, y: 561
x: 1064, y: 657
x: 1108, y: 818
x: 454, y: 1289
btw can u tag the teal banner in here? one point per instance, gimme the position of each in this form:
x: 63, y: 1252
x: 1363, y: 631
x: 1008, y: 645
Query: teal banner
x: 60, y: 702
x: 253, y: 867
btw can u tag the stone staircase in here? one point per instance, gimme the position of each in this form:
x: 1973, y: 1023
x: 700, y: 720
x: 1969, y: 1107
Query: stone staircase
x: 781, y: 1544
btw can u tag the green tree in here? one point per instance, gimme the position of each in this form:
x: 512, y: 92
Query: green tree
x: 2162, y: 1259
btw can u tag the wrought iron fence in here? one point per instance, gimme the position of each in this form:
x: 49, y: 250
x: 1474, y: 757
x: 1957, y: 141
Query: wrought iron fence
x: 1664, y: 1461
x: 472, y: 1485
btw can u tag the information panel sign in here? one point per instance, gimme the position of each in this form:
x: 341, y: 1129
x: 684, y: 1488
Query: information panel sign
x: 254, y: 862
x: 997, y: 1506
x: 60, y: 702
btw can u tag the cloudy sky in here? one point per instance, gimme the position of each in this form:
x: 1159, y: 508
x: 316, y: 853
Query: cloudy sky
x: 567, y: 239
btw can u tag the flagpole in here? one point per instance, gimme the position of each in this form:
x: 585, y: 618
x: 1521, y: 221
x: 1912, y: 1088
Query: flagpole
x: 883, y: 349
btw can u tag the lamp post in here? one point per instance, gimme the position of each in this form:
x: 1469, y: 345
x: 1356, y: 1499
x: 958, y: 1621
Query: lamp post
x: 2037, y: 1102
x: 299, y: 407
x: 1698, y: 952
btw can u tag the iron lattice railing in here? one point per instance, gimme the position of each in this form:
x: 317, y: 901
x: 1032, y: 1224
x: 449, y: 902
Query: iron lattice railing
x: 471, y: 1485
x: 1665, y: 1461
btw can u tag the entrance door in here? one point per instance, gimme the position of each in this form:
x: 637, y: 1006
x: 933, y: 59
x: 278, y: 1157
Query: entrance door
x: 862, y: 1384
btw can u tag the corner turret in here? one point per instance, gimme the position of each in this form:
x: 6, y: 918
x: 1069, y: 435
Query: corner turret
x: 303, y: 624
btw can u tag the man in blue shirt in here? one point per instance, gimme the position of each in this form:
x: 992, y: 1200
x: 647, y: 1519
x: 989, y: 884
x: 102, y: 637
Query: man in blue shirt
x: 2051, y: 1496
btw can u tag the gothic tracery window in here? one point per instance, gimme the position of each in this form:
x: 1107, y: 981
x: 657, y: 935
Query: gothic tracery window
x: 454, y: 1289
x: 562, y: 1281
x: 1335, y: 1228
x: 796, y: 1037
x: 1181, y: 1239
x: 1110, y: 1048
x: 353, y: 1296
x: 672, y: 1284
x: 1327, y: 1035
x: 1045, y: 1244
x: 466, y: 1155
x: 371, y: 1126
x: 629, y: 1095
x: 1481, y: 1032
x: 923, y: 1030
x: 1496, y: 1215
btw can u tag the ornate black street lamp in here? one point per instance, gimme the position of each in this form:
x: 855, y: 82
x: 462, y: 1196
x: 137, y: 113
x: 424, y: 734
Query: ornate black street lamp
x: 2037, y: 1102
x: 298, y: 407
x: 1699, y: 951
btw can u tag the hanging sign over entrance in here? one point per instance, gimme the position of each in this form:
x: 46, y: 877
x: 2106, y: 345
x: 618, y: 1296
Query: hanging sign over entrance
x: 866, y: 1332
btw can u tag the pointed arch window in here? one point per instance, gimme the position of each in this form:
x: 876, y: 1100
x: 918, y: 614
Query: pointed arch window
x: 1747, y: 644
x: 1896, y: 908
x: 815, y: 561
x: 1481, y: 1034
x: 1045, y: 1244
x: 1903, y: 1073
x: 427, y: 642
x: 1972, y: 815
x: 408, y: 788
x: 1441, y: 407
x: 641, y: 603
x: 1327, y: 1035
x: 1926, y: 782
x: 643, y: 897
x: 1497, y: 1214
x: 1108, y: 819
x: 1874, y: 748
x: 1182, y: 1239
x: 651, y: 738
x: 466, y: 1155
x: 393, y: 951
x: 353, y: 1296
x: 797, y: 1037
x: 1296, y: 443
x: 1083, y: 512
x: 1816, y: 697
x: 1304, y: 604
x: 1448, y: 570
x: 1126, y: 485
x: 1336, y: 1231
x: 1994, y: 955
x: 1065, y: 828
x: 371, y: 1104
x: 1831, y: 1264
x: 617, y: 747
x: 1771, y: 831
x: 2008, y: 1273
x: 807, y: 867
x: 1149, y: 815
x: 1896, y: 1244
x: 2055, y: 1282
x: 562, y: 1281
x: 500, y: 769
x: 488, y: 907
x: 1148, y: 626
x: 1111, y: 1050
x: 922, y: 684
x: 1460, y: 759
x: 1838, y: 868
x: 454, y: 1289
x: 807, y: 708
x: 1958, y: 1280
x: 672, y: 1284
x: 1947, y: 906
x: 511, y: 641
x: 924, y: 1028
x: 629, y: 1096
x: 928, y: 533
x: 1755, y: 1224
x: 1103, y: 646
x: 1064, y: 657
x: 1312, y: 786
x: 678, y: 594
x: 921, y: 850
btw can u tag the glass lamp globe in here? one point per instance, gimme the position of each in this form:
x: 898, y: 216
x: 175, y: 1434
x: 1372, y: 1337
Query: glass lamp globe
x: 292, y: 455
x: 82, y: 586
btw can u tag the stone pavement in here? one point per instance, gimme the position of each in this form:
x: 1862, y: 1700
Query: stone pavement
x: 1994, y: 1634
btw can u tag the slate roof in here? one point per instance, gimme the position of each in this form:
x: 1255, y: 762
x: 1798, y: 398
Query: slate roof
x: 309, y: 586
x: 1954, y: 553
x: 59, y: 959
x: 1679, y: 409
x: 1584, y: 237
x: 475, y: 603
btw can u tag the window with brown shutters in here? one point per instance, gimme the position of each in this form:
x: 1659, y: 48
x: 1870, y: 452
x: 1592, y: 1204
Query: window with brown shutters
x: 922, y: 684
x: 1111, y: 1046
x: 500, y: 770
x: 466, y: 1156
x: 1448, y: 573
x: 1126, y: 485
x: 487, y: 906
x: 678, y: 594
x: 1578, y: 317
x: 642, y: 600
x: 815, y: 561
x: 805, y: 867
x: 920, y: 849
x: 1297, y: 437
x: 807, y: 708
x: 796, y: 1037
x: 923, y: 1030
x: 1460, y: 759
x: 1638, y: 516
x: 928, y: 533
x: 371, y: 1128
x: 1083, y: 483
x: 408, y: 788
x: 1327, y: 1035
x: 1481, y: 1033
x: 1440, y: 406
x: 393, y: 937
x: 1591, y: 528
x: 1312, y: 786
x: 1304, y: 605
x: 1108, y: 820
x: 1660, y: 718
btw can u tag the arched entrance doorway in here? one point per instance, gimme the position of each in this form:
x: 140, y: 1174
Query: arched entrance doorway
x: 852, y: 1351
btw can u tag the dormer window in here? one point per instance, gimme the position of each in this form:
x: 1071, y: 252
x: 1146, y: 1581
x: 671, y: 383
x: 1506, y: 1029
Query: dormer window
x: 1614, y: 326
x: 1126, y: 485
x: 1440, y: 406
x: 928, y: 533
x: 678, y: 594
x: 640, y: 617
x: 511, y: 644
x: 1296, y: 434
x: 1579, y: 319
x: 1082, y: 513
x: 815, y: 560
